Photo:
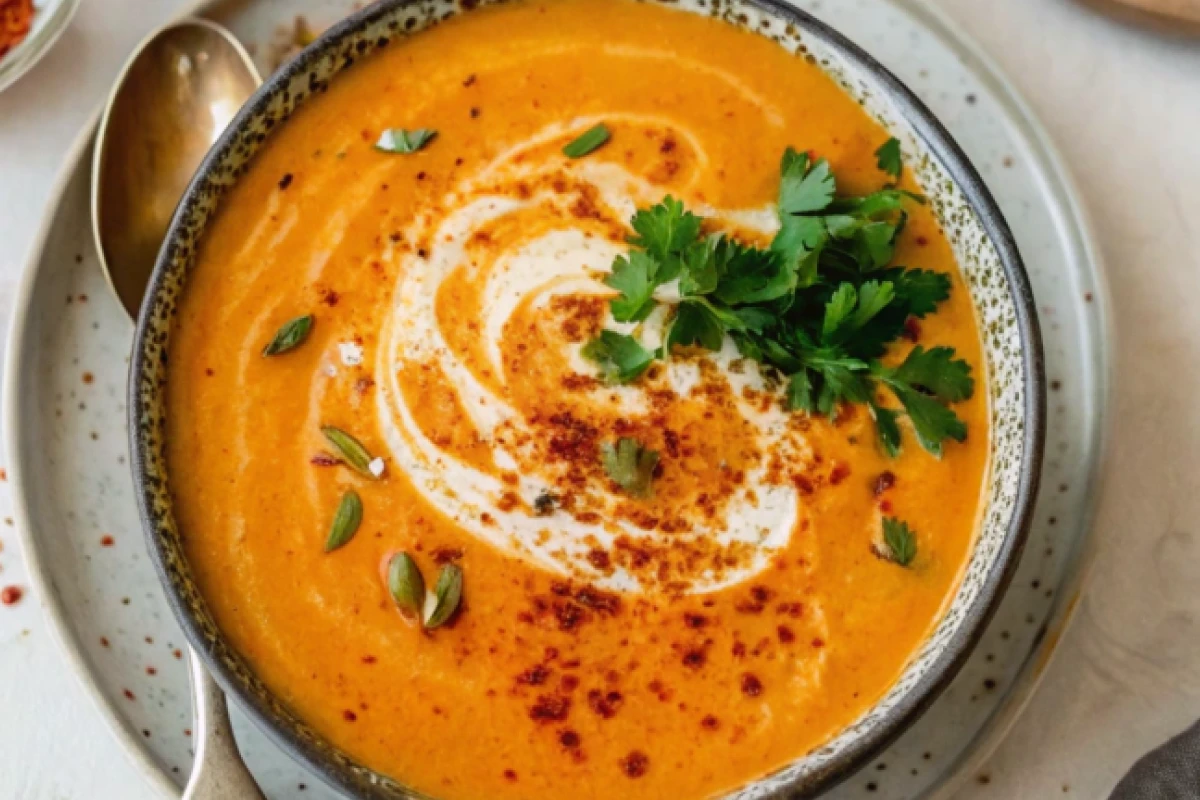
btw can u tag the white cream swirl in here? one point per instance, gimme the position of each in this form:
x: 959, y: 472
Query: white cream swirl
x: 757, y: 521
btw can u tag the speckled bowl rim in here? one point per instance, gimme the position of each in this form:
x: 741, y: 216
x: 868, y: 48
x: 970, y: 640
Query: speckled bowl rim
x: 338, y: 769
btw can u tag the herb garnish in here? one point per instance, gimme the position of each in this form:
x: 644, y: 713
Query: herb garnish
x: 900, y: 540
x: 399, y: 140
x: 346, y: 520
x: 621, y: 358
x: 349, y: 450
x: 406, y: 585
x: 448, y: 592
x: 289, y: 336
x: 630, y: 465
x: 821, y: 304
x: 587, y: 142
x: 887, y: 157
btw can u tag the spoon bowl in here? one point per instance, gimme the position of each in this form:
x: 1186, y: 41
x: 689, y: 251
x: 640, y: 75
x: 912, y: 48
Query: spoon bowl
x: 175, y: 96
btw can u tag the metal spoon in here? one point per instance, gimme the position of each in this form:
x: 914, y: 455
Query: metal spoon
x: 177, y: 92
x: 174, y: 97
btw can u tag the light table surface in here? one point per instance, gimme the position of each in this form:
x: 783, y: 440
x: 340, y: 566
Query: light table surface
x: 1122, y: 104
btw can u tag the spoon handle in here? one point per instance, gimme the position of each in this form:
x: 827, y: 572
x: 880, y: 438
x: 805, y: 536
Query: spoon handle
x: 218, y: 772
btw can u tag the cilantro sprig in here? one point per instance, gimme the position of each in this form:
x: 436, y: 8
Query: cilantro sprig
x: 822, y: 304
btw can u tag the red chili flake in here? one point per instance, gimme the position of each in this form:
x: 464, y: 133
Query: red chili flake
x: 363, y: 384
x: 369, y: 659
x: 209, y: 371
x: 840, y: 473
x: 751, y: 686
x: 445, y: 555
x: 599, y: 559
x: 88, y: 377
x: 11, y: 595
x: 791, y: 609
x: 635, y: 764
x: 187, y: 731
x: 569, y: 683
x: 803, y: 483
x: 474, y: 112
x: 107, y: 541
x: 695, y: 621
x: 470, y: 81
x: 330, y: 298
x: 550, y: 708
x: 922, y: 241
x: 285, y: 181
x: 694, y: 658
x: 3, y: 474
x: 605, y: 704
x: 785, y: 634
x: 509, y: 775
x: 128, y: 694
x: 569, y: 739
x: 739, y: 649
x: 818, y: 642
x: 151, y: 671
x: 912, y: 329
x: 349, y: 715
x: 534, y: 676
x: 710, y: 723
x: 324, y: 460
x: 885, y: 506
x: 104, y: 641
x: 883, y: 481
x: 178, y: 654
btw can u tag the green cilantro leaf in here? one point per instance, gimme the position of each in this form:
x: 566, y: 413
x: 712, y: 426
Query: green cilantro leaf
x: 887, y: 157
x: 932, y: 421
x: 399, y: 140
x: 900, y: 540
x: 937, y: 372
x: 804, y: 189
x: 753, y: 276
x: 634, y: 278
x: 798, y: 243
x: 887, y: 427
x: 695, y: 324
x: 919, y: 290
x: 621, y: 358
x: 665, y: 230
x: 630, y: 465
x: 799, y: 394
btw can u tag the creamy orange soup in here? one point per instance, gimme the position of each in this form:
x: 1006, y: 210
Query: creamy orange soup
x: 607, y: 645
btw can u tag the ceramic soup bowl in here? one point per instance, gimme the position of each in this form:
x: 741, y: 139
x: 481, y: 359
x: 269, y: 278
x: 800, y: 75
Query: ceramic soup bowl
x: 983, y: 244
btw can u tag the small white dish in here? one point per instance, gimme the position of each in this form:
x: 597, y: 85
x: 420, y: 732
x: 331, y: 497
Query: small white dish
x: 50, y: 19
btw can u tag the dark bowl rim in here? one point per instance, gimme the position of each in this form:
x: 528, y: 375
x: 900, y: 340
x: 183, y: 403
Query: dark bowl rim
x: 941, y: 670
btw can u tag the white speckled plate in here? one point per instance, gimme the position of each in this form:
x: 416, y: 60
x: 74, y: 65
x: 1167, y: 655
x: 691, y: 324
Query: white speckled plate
x: 65, y: 407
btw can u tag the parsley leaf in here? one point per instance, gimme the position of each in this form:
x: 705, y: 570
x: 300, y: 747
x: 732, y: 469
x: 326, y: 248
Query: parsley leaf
x: 888, y: 159
x: 901, y: 541
x: 887, y: 427
x: 919, y: 290
x: 932, y: 421
x: 633, y: 277
x: 665, y: 230
x: 621, y: 358
x: 804, y: 188
x: 937, y: 372
x: 630, y: 465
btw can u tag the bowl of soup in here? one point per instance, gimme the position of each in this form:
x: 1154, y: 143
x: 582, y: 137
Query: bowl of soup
x: 585, y: 398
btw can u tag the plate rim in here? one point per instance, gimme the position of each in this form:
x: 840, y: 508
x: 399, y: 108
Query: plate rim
x: 1058, y: 183
x: 40, y: 578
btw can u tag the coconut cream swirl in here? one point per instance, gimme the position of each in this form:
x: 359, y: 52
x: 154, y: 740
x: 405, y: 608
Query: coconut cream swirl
x: 528, y: 232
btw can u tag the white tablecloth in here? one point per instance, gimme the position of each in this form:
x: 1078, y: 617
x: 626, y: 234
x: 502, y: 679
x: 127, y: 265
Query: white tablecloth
x: 1124, y: 107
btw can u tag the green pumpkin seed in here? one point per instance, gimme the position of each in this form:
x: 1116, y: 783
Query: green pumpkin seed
x: 448, y: 593
x: 349, y: 450
x: 406, y: 585
x: 289, y: 336
x: 345, y: 521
